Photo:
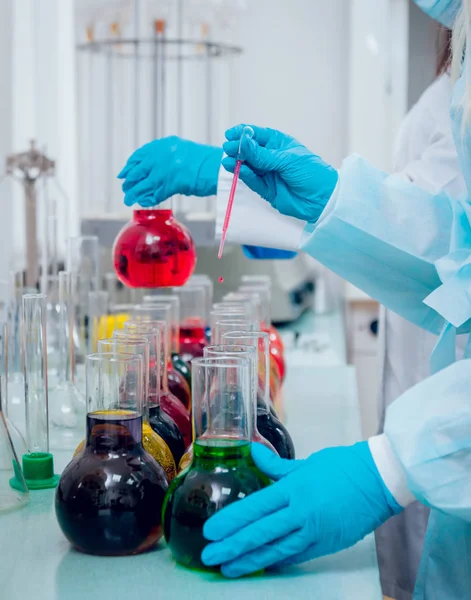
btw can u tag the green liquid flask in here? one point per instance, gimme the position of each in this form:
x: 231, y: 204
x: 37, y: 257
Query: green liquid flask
x: 222, y: 470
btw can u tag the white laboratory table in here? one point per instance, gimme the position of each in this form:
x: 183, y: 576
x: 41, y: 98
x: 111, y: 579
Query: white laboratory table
x: 37, y: 563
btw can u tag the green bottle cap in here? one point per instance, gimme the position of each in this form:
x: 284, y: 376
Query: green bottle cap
x: 38, y: 469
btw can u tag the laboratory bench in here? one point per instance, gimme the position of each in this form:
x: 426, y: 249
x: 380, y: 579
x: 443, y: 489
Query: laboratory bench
x: 321, y: 409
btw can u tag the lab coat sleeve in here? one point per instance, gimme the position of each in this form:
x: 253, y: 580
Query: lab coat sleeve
x: 426, y: 446
x: 387, y: 236
x: 253, y: 221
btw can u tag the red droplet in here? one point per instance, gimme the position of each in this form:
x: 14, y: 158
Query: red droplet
x: 221, y: 280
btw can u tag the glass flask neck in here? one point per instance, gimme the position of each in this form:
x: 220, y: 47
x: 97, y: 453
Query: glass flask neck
x: 217, y: 451
x: 113, y: 431
x: 143, y: 215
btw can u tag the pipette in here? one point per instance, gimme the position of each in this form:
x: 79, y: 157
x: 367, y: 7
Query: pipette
x: 248, y: 132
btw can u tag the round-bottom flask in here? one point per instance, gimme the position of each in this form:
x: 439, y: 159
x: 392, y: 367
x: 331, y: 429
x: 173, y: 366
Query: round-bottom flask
x: 222, y: 470
x: 154, y: 250
x: 109, y: 498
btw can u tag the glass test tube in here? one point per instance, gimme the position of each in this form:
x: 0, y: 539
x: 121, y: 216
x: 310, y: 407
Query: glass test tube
x: 229, y: 325
x: 98, y: 308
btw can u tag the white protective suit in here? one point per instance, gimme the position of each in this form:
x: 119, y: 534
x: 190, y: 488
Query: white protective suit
x: 410, y: 250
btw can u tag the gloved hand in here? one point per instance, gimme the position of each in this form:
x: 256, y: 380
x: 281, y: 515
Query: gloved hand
x: 282, y: 171
x: 317, y: 506
x: 170, y: 166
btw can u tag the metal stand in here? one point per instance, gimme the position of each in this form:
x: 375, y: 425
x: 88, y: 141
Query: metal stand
x: 28, y: 167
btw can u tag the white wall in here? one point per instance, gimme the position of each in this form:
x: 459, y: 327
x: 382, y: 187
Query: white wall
x: 43, y: 89
x: 293, y: 75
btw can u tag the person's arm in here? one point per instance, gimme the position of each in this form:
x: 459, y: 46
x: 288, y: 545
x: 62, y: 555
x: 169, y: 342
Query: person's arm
x: 335, y: 497
x: 385, y: 235
x: 426, y: 446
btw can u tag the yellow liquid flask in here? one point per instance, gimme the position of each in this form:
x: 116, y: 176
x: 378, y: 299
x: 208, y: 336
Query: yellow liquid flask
x: 222, y: 470
x: 109, y: 498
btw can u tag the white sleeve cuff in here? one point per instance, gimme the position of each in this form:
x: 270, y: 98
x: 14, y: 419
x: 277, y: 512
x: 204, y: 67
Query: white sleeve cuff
x: 254, y: 222
x: 390, y: 469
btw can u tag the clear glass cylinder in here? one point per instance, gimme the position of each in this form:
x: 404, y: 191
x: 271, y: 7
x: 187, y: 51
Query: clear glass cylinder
x: 156, y: 311
x: 264, y: 295
x: 229, y: 325
x: 98, y: 308
x: 251, y: 353
x: 205, y: 281
x: 268, y: 424
x: 221, y: 396
x: 35, y: 372
x: 83, y: 256
x: 13, y: 488
x: 138, y: 327
x: 115, y: 385
x: 174, y: 302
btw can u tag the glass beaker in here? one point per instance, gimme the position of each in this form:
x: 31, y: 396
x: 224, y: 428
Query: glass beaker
x: 154, y: 250
x: 98, y: 309
x: 193, y: 320
x: 169, y: 402
x: 160, y: 421
x: 152, y: 442
x: 13, y: 489
x: 38, y: 463
x: 83, y: 261
x: 228, y: 325
x: 109, y: 498
x: 67, y: 403
x: 251, y: 353
x: 276, y: 343
x: 158, y: 311
x: 268, y: 423
x: 178, y: 363
x: 222, y: 470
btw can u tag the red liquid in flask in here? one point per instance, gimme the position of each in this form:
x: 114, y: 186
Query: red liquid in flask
x: 154, y: 250
x: 192, y: 339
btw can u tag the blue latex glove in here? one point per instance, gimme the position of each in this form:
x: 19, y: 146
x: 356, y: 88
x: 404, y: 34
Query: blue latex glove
x: 317, y: 506
x: 170, y: 166
x: 282, y: 171
x: 260, y: 253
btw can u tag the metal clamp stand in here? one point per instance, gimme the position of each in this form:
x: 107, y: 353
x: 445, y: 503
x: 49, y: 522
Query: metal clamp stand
x: 28, y: 167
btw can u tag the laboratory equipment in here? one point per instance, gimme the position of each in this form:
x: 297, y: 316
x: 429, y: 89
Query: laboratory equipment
x: 83, y: 261
x: 177, y: 362
x: 250, y: 352
x: 98, y: 309
x: 163, y: 312
x: 193, y: 320
x: 11, y: 496
x: 28, y: 167
x: 152, y: 442
x: 231, y: 324
x: 169, y: 402
x: 154, y: 250
x: 202, y: 280
x: 222, y: 470
x: 67, y: 403
x: 16, y: 436
x: 269, y: 425
x: 160, y: 421
x: 247, y: 133
x: 276, y: 344
x: 109, y: 497
x: 38, y: 463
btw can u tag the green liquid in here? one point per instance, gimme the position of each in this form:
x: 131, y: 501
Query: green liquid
x: 222, y: 472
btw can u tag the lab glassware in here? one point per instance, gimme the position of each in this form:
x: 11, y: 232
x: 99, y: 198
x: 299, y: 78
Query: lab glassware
x: 268, y: 423
x: 163, y: 425
x: 109, y: 498
x: 154, y: 250
x: 170, y: 404
x: 13, y: 489
x: 222, y: 470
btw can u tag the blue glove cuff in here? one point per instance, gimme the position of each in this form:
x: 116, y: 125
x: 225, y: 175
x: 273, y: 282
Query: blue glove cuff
x: 206, y: 177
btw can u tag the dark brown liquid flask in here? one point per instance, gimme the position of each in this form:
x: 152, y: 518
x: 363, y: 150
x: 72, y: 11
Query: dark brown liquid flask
x: 109, y: 497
